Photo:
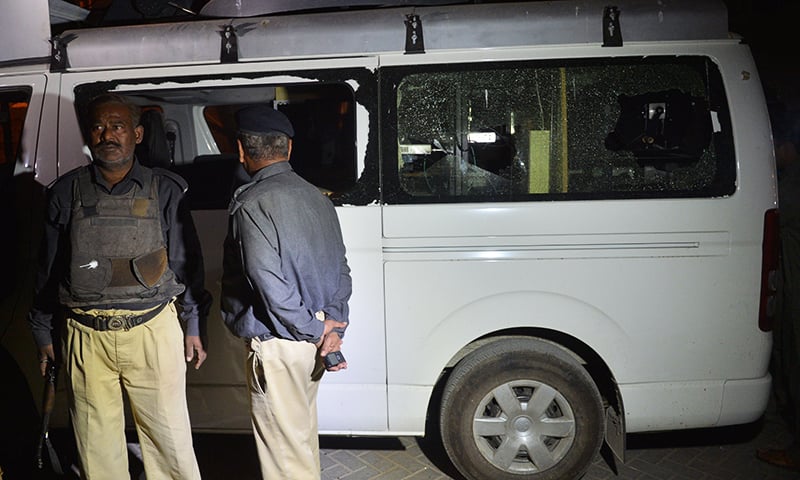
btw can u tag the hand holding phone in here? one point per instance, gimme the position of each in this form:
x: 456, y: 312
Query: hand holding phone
x: 332, y: 359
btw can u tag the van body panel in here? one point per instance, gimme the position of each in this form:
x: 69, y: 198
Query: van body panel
x: 692, y: 403
x: 338, y: 404
x: 342, y: 399
x: 31, y: 17
x: 568, y: 299
x: 47, y: 160
x: 408, y: 406
x: 756, y: 389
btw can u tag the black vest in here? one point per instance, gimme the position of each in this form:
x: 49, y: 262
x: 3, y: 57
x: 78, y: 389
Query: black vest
x: 118, y: 251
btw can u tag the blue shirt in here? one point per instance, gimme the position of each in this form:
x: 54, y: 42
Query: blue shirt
x: 284, y: 259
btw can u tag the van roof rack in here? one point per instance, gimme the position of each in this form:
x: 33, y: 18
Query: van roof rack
x: 373, y: 31
x: 253, y: 8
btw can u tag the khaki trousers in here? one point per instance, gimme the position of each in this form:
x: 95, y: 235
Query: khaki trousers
x: 283, y: 378
x: 148, y: 362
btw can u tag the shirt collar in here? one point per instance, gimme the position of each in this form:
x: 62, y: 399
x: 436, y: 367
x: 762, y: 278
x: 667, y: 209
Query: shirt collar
x: 264, y: 173
x: 136, y: 174
x: 272, y: 170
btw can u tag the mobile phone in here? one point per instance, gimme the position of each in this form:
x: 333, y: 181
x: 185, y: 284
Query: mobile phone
x: 332, y: 359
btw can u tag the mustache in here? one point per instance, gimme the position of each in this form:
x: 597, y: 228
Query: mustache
x: 107, y: 144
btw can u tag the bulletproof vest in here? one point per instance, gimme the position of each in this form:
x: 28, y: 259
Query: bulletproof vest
x: 118, y: 251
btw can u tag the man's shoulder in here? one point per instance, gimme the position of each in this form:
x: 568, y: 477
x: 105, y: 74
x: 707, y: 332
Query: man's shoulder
x: 251, y: 195
x: 64, y: 182
x: 173, y: 179
x: 285, y: 184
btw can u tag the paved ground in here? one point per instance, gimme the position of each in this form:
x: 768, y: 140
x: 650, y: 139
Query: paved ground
x: 712, y: 454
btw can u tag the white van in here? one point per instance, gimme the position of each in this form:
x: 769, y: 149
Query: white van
x: 560, y: 216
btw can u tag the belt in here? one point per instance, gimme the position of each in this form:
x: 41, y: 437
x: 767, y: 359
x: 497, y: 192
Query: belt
x: 115, y: 322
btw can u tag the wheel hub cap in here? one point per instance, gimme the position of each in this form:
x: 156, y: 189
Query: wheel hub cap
x: 522, y: 424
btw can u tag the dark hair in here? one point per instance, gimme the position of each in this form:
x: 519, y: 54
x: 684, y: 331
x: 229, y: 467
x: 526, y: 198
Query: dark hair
x: 104, y: 98
x: 265, y: 146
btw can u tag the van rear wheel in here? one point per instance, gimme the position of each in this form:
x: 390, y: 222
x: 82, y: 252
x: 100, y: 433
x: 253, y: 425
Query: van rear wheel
x: 521, y: 409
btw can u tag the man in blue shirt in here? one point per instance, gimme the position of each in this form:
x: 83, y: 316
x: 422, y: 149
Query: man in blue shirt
x: 285, y: 288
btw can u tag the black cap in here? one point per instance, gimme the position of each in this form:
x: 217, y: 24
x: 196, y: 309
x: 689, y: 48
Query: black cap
x: 258, y: 119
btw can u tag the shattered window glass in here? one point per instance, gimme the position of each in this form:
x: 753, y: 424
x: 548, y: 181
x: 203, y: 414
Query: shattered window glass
x: 613, y: 129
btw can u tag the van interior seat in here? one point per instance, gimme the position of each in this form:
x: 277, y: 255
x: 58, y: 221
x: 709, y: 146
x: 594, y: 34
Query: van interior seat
x: 154, y: 150
x: 212, y: 179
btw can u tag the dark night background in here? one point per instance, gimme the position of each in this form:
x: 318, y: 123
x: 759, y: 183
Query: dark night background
x: 771, y: 29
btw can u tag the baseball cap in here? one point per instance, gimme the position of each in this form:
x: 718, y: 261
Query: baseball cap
x: 259, y: 119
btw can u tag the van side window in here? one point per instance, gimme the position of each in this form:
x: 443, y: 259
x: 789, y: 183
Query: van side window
x: 622, y: 128
x: 197, y: 132
x: 323, y: 152
x: 13, y: 106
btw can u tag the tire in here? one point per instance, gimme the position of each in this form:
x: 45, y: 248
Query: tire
x: 490, y: 429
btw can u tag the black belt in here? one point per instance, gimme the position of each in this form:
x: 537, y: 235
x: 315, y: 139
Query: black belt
x: 115, y: 322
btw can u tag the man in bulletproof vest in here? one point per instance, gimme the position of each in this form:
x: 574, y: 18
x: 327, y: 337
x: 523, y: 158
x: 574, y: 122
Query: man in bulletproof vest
x: 120, y: 262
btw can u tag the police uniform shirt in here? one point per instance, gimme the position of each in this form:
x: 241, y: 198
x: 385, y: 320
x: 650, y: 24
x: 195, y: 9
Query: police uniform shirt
x: 180, y: 236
